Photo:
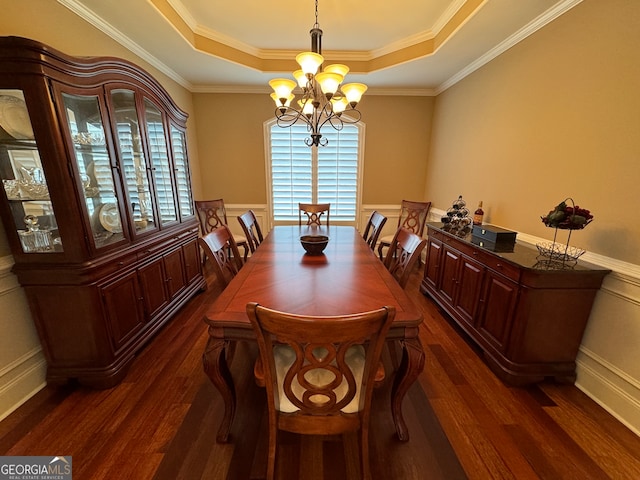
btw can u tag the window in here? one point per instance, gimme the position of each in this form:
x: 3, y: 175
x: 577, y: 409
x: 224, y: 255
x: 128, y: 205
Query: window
x: 298, y: 173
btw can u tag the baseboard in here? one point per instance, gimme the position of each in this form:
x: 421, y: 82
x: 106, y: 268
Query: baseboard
x: 611, y: 388
x: 20, y: 380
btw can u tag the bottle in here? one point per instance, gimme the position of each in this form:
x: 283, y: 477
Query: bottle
x: 478, y: 215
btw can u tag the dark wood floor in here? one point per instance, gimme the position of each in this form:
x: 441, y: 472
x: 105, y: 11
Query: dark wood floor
x: 160, y: 423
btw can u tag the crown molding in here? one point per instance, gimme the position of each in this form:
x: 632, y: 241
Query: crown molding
x: 105, y: 27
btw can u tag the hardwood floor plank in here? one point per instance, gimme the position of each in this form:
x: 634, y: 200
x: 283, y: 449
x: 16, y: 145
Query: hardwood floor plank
x: 161, y: 421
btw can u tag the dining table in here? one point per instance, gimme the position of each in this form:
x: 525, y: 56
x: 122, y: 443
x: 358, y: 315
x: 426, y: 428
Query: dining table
x: 346, y: 278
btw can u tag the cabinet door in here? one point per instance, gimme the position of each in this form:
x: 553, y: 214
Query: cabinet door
x: 161, y: 166
x: 432, y: 264
x: 153, y: 280
x: 467, y: 298
x: 174, y: 271
x: 95, y: 166
x: 449, y: 279
x: 499, y: 299
x: 192, y: 262
x: 133, y: 165
x: 181, y: 168
x: 24, y: 179
x: 123, y: 307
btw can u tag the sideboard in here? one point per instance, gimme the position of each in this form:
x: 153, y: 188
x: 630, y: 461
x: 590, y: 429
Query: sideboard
x: 526, y: 315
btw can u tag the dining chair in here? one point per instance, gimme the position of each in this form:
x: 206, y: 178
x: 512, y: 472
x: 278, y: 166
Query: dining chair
x: 404, y: 251
x: 319, y: 373
x: 251, y: 229
x: 314, y: 212
x: 374, y: 227
x: 212, y: 214
x: 413, y: 216
x: 220, y: 247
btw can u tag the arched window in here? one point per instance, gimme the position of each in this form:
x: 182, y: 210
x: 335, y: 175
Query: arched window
x: 298, y: 173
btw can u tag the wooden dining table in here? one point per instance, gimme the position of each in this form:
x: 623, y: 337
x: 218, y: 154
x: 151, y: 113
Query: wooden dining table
x: 346, y: 278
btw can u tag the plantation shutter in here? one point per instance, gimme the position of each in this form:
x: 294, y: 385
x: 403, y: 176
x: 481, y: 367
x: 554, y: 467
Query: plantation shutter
x: 338, y: 172
x: 291, y: 172
x: 314, y: 175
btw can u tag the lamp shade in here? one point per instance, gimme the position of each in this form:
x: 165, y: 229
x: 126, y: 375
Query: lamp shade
x: 309, y: 62
x: 339, y: 104
x: 354, y: 92
x: 279, y: 101
x: 306, y: 106
x: 338, y: 68
x: 329, y: 82
x: 301, y: 78
x: 282, y: 87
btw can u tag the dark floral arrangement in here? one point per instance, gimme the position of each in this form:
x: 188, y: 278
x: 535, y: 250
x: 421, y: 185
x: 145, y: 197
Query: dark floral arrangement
x: 568, y: 217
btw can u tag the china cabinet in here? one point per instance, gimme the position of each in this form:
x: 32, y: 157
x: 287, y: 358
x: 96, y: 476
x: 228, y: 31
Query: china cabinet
x: 527, y: 318
x: 96, y: 205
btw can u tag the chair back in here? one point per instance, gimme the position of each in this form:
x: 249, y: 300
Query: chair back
x: 404, y: 251
x: 220, y: 246
x: 374, y: 227
x: 251, y: 229
x: 211, y: 214
x: 413, y: 216
x: 319, y: 372
x: 313, y: 213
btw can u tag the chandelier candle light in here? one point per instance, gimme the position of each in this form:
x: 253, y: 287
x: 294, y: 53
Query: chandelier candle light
x: 324, y: 98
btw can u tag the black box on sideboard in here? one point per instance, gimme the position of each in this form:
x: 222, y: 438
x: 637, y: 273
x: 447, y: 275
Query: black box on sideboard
x: 495, y: 238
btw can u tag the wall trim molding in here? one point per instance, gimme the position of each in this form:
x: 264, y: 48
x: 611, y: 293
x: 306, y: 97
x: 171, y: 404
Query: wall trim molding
x: 23, y: 376
x: 610, y: 387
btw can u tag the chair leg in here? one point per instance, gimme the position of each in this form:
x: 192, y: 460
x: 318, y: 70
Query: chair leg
x: 364, y: 453
x: 271, y: 458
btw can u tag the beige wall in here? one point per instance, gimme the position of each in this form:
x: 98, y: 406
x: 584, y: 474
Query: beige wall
x: 232, y: 158
x: 556, y: 116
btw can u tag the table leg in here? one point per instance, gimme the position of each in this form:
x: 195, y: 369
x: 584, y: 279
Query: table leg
x: 411, y: 366
x: 216, y: 368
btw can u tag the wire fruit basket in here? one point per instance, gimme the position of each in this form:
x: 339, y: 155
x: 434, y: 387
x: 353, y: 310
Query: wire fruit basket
x: 563, y: 217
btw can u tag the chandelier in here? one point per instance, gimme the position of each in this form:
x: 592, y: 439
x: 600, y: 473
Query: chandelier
x: 324, y: 97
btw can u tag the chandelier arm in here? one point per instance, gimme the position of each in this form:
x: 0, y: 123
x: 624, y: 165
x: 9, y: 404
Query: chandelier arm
x: 290, y: 116
x: 353, y: 116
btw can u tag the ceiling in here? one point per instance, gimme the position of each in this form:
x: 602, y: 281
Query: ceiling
x: 238, y: 46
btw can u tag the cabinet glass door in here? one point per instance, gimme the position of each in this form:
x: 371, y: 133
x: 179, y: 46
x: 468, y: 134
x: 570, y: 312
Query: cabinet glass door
x: 94, y: 167
x: 23, y: 178
x: 132, y: 159
x: 185, y: 201
x: 160, y: 162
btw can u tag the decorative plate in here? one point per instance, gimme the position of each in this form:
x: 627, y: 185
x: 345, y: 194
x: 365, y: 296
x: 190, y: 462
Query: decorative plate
x: 110, y: 218
x: 14, y: 117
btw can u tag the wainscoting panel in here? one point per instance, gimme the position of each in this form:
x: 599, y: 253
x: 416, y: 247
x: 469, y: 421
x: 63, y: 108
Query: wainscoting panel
x: 22, y: 364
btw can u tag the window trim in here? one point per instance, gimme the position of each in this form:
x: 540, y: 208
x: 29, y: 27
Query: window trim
x: 314, y: 159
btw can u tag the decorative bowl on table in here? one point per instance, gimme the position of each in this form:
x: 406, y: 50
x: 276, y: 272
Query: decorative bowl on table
x: 314, y: 244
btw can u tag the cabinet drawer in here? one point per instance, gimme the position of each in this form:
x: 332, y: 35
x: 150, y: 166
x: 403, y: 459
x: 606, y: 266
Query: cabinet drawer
x: 498, y: 265
x: 489, y: 260
x: 118, y: 264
